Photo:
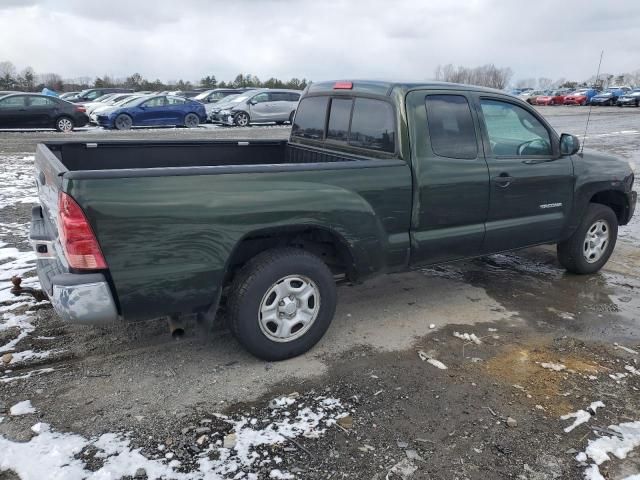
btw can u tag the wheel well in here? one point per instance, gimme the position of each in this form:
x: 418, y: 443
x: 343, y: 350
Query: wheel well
x: 327, y: 245
x: 615, y: 200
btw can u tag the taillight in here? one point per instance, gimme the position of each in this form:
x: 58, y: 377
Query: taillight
x: 81, y: 109
x: 76, y: 236
x: 343, y: 86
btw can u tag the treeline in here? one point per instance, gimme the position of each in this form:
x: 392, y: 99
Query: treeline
x: 28, y: 80
x: 485, y: 75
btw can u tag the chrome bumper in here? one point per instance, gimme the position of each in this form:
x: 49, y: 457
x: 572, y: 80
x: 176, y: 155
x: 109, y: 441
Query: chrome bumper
x: 83, y: 298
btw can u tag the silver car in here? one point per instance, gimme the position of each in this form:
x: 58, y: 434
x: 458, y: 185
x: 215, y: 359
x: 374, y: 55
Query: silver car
x: 260, y: 106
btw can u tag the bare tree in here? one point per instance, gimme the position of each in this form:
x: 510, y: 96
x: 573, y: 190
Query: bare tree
x: 544, y: 83
x: 486, y: 75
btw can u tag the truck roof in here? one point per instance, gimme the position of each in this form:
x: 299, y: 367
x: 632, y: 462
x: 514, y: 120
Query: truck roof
x: 377, y: 87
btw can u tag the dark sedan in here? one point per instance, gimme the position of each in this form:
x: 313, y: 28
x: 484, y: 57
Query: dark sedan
x: 153, y: 111
x: 630, y: 98
x: 27, y: 110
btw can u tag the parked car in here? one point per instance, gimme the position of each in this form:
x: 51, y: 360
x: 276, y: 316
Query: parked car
x: 111, y: 106
x: 554, y: 98
x: 145, y: 229
x: 154, y: 110
x: 226, y: 103
x: 260, y: 106
x: 68, y: 96
x: 185, y: 93
x: 530, y: 96
x: 107, y: 101
x: 608, y: 97
x: 212, y: 97
x: 30, y: 110
x: 91, y: 94
x: 581, y: 96
x: 630, y: 98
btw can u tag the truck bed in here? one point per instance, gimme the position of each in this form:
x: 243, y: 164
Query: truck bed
x: 118, y: 155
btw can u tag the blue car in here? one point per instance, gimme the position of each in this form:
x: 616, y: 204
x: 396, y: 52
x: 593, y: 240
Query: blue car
x: 608, y: 97
x: 153, y: 111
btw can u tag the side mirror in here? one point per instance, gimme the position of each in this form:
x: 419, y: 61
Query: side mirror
x: 252, y: 102
x: 569, y: 144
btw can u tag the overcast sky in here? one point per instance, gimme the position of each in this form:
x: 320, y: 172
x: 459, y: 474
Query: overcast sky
x: 318, y: 39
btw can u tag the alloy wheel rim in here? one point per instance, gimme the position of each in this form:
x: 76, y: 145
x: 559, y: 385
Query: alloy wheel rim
x: 596, y: 241
x: 64, y: 124
x: 289, y: 308
x: 242, y: 120
x: 123, y: 122
x: 191, y: 121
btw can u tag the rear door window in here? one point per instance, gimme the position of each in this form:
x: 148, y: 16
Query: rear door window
x: 279, y: 97
x: 310, y: 118
x: 339, y: 117
x: 13, y: 102
x: 372, y: 125
x: 451, y: 128
x: 41, y: 102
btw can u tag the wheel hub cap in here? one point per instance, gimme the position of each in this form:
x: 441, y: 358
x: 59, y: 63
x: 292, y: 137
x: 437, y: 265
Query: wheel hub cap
x: 596, y: 241
x: 289, y: 308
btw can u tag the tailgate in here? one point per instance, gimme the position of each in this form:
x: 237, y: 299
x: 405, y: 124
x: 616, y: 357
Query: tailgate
x: 43, y: 233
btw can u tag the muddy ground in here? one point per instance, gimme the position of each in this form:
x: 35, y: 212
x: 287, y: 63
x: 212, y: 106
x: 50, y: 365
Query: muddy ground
x: 546, y: 344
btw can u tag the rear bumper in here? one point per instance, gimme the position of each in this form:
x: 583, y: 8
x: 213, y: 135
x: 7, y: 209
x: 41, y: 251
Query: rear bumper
x: 83, y: 298
x: 77, y: 297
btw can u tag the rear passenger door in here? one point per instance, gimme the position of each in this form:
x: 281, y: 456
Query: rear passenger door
x: 451, y: 198
x: 42, y: 111
x: 531, y: 191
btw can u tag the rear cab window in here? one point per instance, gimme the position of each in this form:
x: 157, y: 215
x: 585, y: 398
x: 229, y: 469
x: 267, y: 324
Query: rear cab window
x: 347, y: 122
x: 451, y: 128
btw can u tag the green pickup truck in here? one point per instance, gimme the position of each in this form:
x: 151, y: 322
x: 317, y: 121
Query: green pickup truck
x: 376, y: 178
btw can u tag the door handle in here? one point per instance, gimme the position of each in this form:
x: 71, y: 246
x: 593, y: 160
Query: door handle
x: 503, y: 180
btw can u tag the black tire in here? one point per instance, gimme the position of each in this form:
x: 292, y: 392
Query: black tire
x: 123, y: 122
x: 571, y: 252
x: 191, y: 120
x: 64, y: 124
x: 242, y: 119
x: 248, y: 294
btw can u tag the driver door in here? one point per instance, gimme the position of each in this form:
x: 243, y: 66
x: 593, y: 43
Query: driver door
x: 261, y: 108
x: 531, y: 185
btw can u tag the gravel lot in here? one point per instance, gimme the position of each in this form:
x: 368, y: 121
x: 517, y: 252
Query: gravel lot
x: 523, y: 344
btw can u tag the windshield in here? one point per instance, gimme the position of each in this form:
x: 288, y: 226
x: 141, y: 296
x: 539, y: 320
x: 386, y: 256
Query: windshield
x: 237, y: 99
x: 203, y: 95
x: 132, y: 102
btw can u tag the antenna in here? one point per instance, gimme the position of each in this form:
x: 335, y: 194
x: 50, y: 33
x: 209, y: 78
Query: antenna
x: 584, y: 137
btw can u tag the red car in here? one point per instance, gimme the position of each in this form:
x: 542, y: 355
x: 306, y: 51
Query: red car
x: 556, y: 98
x: 580, y: 97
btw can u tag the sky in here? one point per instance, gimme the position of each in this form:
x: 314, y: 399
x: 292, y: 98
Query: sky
x: 318, y: 39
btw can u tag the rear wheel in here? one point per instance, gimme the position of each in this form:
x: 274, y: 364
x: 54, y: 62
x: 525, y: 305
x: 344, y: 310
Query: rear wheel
x: 281, y: 303
x: 591, y: 245
x: 241, y: 119
x: 64, y: 124
x: 123, y: 122
x: 191, y: 120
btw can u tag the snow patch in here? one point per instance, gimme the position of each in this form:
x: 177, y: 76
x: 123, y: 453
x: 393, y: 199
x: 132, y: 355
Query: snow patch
x: 581, y: 416
x: 22, y: 408
x: 556, y: 367
x: 600, y: 449
x: 468, y: 337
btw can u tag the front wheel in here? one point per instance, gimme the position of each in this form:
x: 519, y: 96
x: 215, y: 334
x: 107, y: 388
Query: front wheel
x: 591, y: 245
x: 282, y: 303
x: 123, y: 122
x: 64, y: 124
x: 191, y: 120
x: 241, y: 119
